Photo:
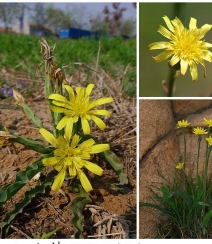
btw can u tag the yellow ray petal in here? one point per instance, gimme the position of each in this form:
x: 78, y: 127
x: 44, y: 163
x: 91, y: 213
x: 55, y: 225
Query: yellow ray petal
x: 50, y: 161
x: 63, y: 122
x: 59, y: 180
x: 100, y: 123
x: 94, y: 168
x: 89, y: 89
x: 49, y: 137
x: 85, y: 126
x: 100, y: 148
x: 84, y: 181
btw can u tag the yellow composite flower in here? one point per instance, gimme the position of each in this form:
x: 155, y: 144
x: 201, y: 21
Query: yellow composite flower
x: 79, y: 107
x: 182, y: 123
x: 200, y: 131
x: 208, y: 122
x: 71, y: 157
x: 209, y: 140
x: 186, y: 45
x: 179, y: 166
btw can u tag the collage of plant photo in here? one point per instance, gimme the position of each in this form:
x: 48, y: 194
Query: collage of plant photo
x: 105, y: 121
x: 175, y: 120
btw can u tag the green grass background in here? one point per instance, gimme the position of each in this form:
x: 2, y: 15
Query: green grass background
x: 22, y: 52
x: 151, y: 73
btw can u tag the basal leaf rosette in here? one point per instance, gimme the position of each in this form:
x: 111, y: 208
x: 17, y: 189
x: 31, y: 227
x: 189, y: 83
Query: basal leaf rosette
x: 79, y: 107
x: 186, y: 46
x: 71, y: 156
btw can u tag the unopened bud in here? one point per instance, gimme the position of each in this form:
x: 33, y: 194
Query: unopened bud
x: 18, y: 97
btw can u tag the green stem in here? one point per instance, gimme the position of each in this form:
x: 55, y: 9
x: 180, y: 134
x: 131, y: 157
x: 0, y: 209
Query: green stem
x: 205, y: 178
x: 171, y: 81
x: 205, y: 173
x: 197, y: 162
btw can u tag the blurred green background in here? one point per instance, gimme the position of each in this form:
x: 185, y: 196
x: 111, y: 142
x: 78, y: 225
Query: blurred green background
x: 151, y: 73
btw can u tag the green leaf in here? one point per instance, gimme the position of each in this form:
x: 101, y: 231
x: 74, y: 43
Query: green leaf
x: 22, y: 177
x: 207, y: 218
x: 188, y: 200
x: 36, y: 121
x: 48, y: 235
x: 77, y: 206
x: 31, y: 144
x: 29, y: 195
x: 117, y: 165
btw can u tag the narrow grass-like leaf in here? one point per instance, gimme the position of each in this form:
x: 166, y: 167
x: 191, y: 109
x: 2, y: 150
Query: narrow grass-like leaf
x: 30, y: 144
x: 22, y: 177
x: 207, y: 218
x: 29, y: 195
x: 49, y: 234
x: 36, y: 121
x: 77, y: 206
x: 186, y: 198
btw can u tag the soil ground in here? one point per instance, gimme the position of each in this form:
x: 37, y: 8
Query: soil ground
x: 51, y: 210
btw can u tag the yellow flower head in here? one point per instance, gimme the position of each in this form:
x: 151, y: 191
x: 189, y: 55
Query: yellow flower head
x: 185, y: 45
x: 72, y: 157
x: 200, y: 131
x: 179, y: 166
x: 209, y: 140
x: 79, y: 106
x: 208, y: 122
x: 182, y: 123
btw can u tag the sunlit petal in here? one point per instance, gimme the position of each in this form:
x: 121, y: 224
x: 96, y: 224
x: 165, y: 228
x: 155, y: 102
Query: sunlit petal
x: 85, y: 126
x: 59, y: 180
x: 101, y: 124
x: 84, y: 181
x: 100, y: 148
x: 49, y: 137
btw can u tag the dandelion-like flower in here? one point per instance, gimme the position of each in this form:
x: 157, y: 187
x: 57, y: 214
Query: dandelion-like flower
x: 179, y: 166
x: 185, y: 45
x: 200, y: 131
x: 182, y: 123
x: 209, y: 140
x: 72, y: 157
x: 208, y: 122
x: 79, y: 107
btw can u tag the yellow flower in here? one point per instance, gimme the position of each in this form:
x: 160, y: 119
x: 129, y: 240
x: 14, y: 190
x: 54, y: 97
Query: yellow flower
x: 185, y: 45
x: 199, y: 131
x: 209, y: 140
x: 72, y: 157
x: 79, y: 107
x: 179, y: 166
x: 182, y: 123
x: 208, y: 122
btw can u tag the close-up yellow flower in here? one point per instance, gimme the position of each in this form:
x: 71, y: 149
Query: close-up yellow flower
x: 179, y: 166
x: 182, y: 123
x: 186, y: 45
x: 209, y: 140
x: 200, y: 131
x: 79, y: 107
x: 208, y: 122
x: 72, y: 156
